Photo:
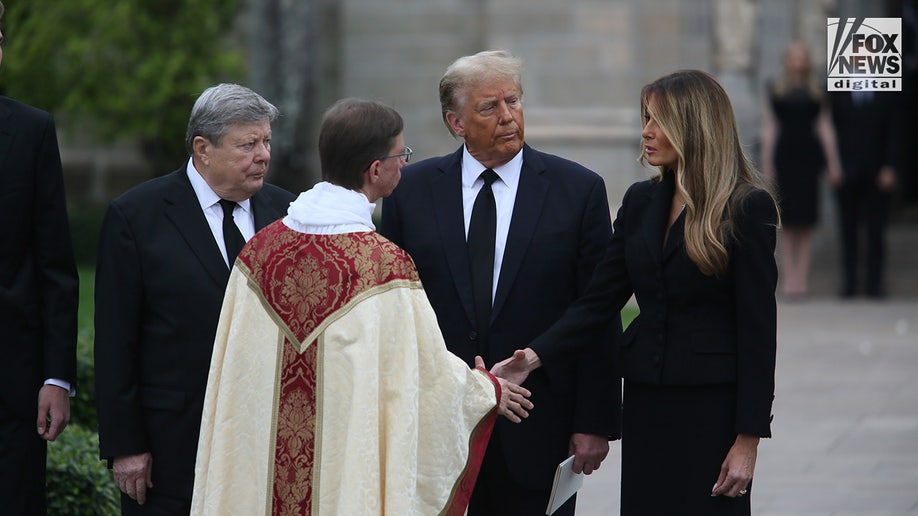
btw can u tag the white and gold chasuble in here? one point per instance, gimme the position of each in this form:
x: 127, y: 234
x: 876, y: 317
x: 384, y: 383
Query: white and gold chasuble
x: 331, y: 391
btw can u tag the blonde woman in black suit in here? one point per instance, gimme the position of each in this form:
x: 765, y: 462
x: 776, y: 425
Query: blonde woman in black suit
x: 695, y: 245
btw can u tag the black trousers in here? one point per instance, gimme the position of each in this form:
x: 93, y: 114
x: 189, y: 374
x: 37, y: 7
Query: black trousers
x: 22, y: 466
x: 156, y: 504
x: 862, y: 208
x: 496, y: 494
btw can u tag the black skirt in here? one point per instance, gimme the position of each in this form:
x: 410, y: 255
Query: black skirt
x: 674, y: 440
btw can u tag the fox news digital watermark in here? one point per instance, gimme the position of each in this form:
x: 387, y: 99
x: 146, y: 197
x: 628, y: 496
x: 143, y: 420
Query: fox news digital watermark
x: 864, y: 54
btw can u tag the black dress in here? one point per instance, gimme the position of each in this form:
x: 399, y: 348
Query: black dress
x: 798, y: 156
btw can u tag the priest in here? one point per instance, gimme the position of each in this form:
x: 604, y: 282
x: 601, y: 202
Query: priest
x: 331, y: 390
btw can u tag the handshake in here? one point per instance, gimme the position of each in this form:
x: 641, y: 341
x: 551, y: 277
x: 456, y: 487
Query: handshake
x: 510, y: 373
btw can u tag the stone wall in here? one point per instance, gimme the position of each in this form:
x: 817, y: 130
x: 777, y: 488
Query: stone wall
x: 585, y: 62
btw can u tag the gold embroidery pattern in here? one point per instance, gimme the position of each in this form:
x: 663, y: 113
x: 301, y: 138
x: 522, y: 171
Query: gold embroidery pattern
x: 296, y: 428
x: 305, y: 278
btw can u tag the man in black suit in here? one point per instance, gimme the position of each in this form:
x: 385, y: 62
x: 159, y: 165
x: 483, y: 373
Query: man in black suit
x: 164, y: 260
x: 38, y: 303
x: 543, y: 226
x: 869, y: 132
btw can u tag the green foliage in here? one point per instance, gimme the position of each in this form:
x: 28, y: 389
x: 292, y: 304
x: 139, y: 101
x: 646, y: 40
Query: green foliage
x: 78, y: 483
x: 628, y: 315
x: 83, y: 406
x: 132, y: 67
x: 85, y: 225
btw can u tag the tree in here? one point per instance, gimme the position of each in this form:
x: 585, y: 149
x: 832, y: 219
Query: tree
x: 125, y: 69
x: 295, y: 55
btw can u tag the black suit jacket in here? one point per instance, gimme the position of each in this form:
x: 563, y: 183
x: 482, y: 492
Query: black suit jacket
x: 692, y: 329
x: 38, y: 277
x: 160, y: 280
x: 869, y: 134
x: 559, y: 227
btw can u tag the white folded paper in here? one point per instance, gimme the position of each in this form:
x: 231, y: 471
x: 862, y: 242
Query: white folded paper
x: 566, y: 484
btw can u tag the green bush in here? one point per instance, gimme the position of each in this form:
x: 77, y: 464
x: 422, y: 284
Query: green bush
x: 83, y: 406
x: 78, y: 483
x: 85, y: 224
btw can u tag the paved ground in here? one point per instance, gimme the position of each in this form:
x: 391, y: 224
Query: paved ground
x: 846, y: 409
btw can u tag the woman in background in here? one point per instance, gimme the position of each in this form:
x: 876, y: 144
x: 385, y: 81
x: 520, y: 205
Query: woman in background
x: 798, y: 145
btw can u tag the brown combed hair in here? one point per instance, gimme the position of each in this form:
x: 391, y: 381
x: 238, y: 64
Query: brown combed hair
x: 354, y: 133
x: 713, y: 173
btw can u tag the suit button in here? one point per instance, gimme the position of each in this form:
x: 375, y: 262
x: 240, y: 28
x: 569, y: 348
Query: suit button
x: 656, y: 359
x: 659, y: 317
x: 660, y: 338
x: 473, y: 335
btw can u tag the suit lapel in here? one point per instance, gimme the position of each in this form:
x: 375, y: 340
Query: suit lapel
x: 675, y: 238
x: 182, y: 208
x: 447, y: 188
x: 530, y: 197
x: 657, y: 215
x: 6, y: 136
x: 263, y: 209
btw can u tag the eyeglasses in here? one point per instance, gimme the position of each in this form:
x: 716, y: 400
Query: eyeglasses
x: 405, y: 154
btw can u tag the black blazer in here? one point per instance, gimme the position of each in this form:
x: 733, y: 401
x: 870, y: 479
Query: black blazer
x: 869, y: 134
x: 160, y: 280
x: 559, y: 228
x: 38, y: 277
x: 692, y: 329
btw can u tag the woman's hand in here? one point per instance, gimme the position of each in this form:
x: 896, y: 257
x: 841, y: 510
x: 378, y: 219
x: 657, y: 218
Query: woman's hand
x: 737, y: 469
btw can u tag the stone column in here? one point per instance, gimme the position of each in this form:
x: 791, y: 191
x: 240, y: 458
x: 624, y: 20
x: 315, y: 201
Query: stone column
x: 735, y: 24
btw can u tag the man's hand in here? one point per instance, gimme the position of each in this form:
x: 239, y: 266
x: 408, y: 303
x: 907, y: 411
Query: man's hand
x: 134, y: 475
x: 737, y: 469
x: 589, y: 450
x: 517, y: 368
x: 886, y: 179
x: 514, y: 404
x: 53, y: 411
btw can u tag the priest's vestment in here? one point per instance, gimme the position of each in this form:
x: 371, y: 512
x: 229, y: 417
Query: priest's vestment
x: 331, y: 391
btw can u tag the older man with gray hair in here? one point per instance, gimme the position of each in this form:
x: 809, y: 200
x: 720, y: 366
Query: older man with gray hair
x: 165, y: 254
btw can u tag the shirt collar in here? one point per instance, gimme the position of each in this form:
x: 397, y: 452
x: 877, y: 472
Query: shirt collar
x: 205, y: 194
x: 509, y: 172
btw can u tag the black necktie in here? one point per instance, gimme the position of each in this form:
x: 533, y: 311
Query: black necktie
x: 482, y: 233
x: 232, y: 237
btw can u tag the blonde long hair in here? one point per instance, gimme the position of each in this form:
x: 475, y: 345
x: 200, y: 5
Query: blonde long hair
x: 713, y: 174
x: 786, y: 81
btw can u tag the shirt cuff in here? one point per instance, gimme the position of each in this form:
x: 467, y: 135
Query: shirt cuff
x: 63, y: 384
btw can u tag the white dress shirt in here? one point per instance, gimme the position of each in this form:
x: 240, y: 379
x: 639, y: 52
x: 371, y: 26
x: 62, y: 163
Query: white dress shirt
x: 504, y: 190
x: 210, y: 205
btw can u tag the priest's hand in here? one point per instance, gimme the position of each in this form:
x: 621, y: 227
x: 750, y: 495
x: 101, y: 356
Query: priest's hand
x: 513, y: 404
x: 133, y: 474
x: 517, y: 368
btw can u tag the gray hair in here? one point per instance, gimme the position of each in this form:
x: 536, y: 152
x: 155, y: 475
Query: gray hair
x: 224, y: 105
x: 483, y: 67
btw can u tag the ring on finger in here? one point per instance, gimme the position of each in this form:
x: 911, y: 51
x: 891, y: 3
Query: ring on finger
x: 743, y: 492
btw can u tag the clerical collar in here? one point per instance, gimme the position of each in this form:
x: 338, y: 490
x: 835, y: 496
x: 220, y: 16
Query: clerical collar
x: 328, y: 209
